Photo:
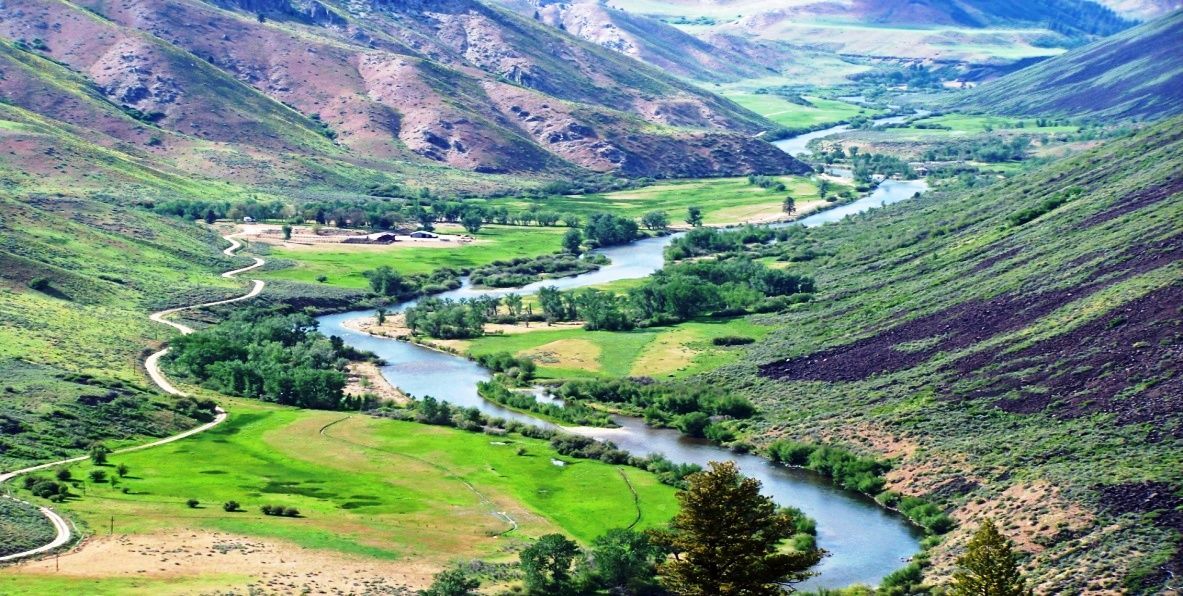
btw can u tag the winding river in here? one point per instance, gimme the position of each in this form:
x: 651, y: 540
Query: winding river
x: 865, y: 541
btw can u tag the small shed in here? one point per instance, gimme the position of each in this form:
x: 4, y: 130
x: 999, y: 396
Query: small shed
x: 375, y: 238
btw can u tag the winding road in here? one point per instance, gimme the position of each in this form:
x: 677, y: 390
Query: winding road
x: 152, y: 365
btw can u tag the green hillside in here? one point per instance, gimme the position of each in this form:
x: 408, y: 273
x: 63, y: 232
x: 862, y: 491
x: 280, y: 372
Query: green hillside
x: 77, y: 280
x: 1134, y: 74
x: 1015, y: 349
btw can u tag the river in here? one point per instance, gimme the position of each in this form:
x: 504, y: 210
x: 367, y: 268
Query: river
x: 864, y: 541
x: 797, y: 145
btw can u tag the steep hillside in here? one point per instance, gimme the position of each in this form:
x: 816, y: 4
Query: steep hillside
x: 1135, y: 74
x: 1015, y: 350
x: 77, y: 280
x: 379, y: 87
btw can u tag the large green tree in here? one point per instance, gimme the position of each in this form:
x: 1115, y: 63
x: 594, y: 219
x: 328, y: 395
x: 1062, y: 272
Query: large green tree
x: 988, y: 567
x: 725, y: 540
x: 547, y: 565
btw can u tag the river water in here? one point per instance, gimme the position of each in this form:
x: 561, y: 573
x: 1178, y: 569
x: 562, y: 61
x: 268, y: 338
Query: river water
x: 865, y: 541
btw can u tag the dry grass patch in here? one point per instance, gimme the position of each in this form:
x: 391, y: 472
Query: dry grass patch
x: 578, y: 354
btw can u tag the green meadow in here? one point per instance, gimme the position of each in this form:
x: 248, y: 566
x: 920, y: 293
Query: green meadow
x: 723, y: 200
x: 794, y: 115
x: 343, y: 264
x: 366, y: 486
x: 675, y: 351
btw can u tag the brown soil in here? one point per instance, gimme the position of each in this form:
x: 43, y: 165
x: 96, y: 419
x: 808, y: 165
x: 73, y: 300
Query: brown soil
x: 273, y: 567
x: 366, y: 377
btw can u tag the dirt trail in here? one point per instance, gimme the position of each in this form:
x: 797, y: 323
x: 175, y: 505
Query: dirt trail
x: 152, y: 365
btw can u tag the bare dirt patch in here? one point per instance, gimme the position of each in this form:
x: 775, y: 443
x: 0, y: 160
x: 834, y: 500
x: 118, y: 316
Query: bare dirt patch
x: 366, y: 377
x: 271, y: 567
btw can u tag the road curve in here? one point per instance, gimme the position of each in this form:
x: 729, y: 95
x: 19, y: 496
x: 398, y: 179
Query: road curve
x: 152, y: 365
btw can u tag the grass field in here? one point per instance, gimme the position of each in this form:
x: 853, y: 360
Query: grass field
x: 969, y: 124
x: 368, y: 487
x: 676, y: 351
x: 343, y: 264
x: 792, y: 115
x: 723, y: 200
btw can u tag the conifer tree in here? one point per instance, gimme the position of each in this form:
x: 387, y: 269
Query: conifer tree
x: 988, y: 567
x: 725, y: 539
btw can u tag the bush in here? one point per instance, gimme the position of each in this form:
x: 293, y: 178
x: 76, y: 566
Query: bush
x: 97, y: 476
x: 192, y: 503
x: 231, y: 506
x: 732, y: 340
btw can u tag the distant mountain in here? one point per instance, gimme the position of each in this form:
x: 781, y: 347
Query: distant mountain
x: 277, y: 91
x: 1135, y: 74
x: 654, y: 41
x: 1143, y: 9
x: 966, y: 31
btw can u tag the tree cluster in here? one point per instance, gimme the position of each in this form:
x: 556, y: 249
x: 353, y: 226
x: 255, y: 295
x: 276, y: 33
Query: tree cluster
x: 697, y: 409
x: 279, y: 358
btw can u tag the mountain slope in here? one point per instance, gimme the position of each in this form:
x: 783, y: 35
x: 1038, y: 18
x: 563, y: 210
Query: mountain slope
x: 1135, y: 74
x: 381, y: 86
x: 1015, y: 350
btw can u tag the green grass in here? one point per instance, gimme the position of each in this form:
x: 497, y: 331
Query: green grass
x: 366, y: 486
x: 12, y: 583
x: 343, y: 265
x: 674, y: 351
x: 968, y: 124
x: 723, y: 200
x: 793, y: 115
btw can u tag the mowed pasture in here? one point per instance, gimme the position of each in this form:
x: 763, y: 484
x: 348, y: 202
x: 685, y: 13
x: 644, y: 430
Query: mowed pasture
x: 723, y: 200
x: 343, y: 264
x: 366, y: 486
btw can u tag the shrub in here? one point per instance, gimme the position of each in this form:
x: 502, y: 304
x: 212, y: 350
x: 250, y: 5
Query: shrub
x: 732, y: 340
x: 231, y: 506
x: 291, y: 512
x: 62, y: 474
x: 97, y: 476
x: 192, y: 503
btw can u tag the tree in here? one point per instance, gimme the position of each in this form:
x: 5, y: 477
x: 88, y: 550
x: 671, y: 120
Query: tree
x: 624, y: 562
x: 453, y: 582
x: 98, y: 454
x: 122, y: 470
x: 513, y: 303
x: 287, y: 232
x: 381, y: 312
x: 97, y: 476
x: 988, y: 567
x: 551, y: 302
x: 694, y: 216
x: 547, y: 565
x: 656, y: 220
x: 192, y: 503
x: 231, y: 506
x: 63, y: 474
x: 573, y: 241
x: 472, y: 222
x: 210, y: 216
x: 790, y: 205
x: 725, y: 539
x: 385, y: 281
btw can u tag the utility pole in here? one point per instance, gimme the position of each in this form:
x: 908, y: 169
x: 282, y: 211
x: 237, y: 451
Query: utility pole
x: 112, y: 528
